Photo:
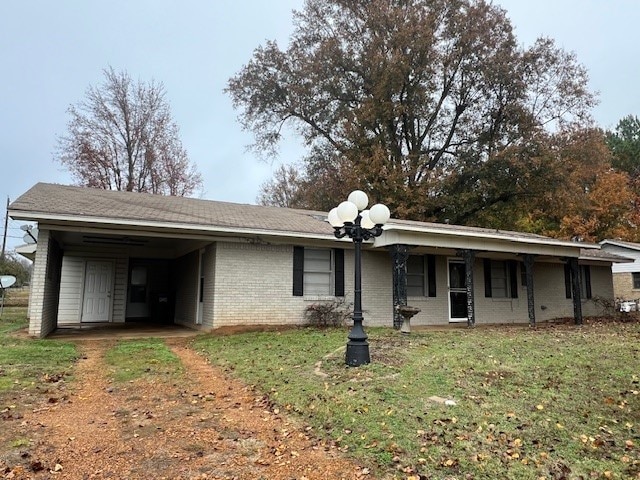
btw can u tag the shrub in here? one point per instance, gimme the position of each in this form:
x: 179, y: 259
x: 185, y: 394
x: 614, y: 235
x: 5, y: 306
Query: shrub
x: 332, y: 313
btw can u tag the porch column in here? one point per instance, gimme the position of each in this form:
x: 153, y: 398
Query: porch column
x: 399, y: 255
x: 576, y: 290
x: 528, y: 272
x: 469, y: 257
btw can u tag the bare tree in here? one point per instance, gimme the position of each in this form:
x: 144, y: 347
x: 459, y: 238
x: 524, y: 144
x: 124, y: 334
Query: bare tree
x: 122, y: 137
x: 283, y: 190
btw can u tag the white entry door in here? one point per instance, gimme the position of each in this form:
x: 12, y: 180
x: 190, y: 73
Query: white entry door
x: 98, y: 280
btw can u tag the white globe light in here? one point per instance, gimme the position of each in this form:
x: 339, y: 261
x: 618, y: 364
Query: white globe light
x: 359, y: 199
x: 347, y: 212
x: 366, y: 222
x: 379, y: 214
x: 334, y: 219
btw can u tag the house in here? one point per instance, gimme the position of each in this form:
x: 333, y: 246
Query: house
x: 110, y: 256
x: 626, y: 276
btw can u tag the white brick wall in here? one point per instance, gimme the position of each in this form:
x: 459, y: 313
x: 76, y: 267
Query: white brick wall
x: 253, y: 285
x: 45, y: 286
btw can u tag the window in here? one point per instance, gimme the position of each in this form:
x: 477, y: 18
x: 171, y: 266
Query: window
x: 138, y: 285
x: 500, y: 278
x: 421, y: 276
x: 636, y: 280
x: 416, y: 277
x: 318, y: 271
x: 585, y: 281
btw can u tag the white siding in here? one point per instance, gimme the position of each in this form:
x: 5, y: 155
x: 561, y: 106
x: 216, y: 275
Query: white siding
x: 71, y: 283
x: 624, y: 252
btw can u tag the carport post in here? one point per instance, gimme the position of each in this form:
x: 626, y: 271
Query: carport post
x: 528, y: 273
x: 399, y: 255
x: 469, y: 257
x: 576, y: 290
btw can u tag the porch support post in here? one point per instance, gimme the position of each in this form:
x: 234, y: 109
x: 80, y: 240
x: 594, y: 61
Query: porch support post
x: 469, y: 257
x: 528, y: 272
x: 399, y: 255
x: 576, y: 290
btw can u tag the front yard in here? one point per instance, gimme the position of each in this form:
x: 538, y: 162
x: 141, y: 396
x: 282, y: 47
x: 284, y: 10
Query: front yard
x: 557, y: 402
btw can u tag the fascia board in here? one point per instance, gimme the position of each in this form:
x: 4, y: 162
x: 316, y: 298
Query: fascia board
x: 494, y: 243
x: 72, y: 221
x: 619, y: 244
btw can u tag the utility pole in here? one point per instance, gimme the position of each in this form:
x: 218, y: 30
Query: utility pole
x: 4, y: 236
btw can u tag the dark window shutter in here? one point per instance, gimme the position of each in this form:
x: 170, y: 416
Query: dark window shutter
x: 587, y: 280
x: 431, y: 275
x: 567, y: 280
x: 298, y: 271
x: 487, y: 277
x: 513, y: 278
x: 338, y: 256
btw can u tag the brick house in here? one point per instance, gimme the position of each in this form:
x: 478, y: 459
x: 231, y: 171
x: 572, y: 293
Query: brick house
x: 108, y: 256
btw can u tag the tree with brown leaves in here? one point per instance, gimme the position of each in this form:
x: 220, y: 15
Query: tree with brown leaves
x: 421, y: 103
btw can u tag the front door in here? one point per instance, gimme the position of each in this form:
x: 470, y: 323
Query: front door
x: 98, y: 279
x: 457, y: 291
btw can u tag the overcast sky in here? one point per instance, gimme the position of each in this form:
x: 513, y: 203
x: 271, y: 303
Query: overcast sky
x: 50, y: 52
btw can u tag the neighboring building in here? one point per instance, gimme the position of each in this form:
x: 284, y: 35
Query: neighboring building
x: 108, y: 256
x: 626, y: 276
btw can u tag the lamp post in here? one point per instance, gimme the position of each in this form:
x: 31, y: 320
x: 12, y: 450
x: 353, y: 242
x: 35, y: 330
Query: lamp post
x: 351, y: 219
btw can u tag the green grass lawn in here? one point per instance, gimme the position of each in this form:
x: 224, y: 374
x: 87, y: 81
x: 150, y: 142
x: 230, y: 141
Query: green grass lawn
x: 557, y: 402
x: 25, y: 362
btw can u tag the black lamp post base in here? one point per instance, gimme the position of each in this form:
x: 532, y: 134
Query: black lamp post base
x: 357, y: 353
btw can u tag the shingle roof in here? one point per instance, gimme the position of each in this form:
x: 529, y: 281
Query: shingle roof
x: 603, y: 255
x: 46, y: 201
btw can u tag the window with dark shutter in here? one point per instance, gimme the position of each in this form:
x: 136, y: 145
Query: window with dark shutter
x: 567, y: 280
x: 338, y: 256
x: 318, y: 271
x: 586, y: 281
x: 487, y: 277
x: 416, y: 276
x: 431, y: 275
x: 298, y: 271
x: 513, y: 278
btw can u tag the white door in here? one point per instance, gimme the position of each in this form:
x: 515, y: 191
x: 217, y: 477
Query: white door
x: 98, y: 279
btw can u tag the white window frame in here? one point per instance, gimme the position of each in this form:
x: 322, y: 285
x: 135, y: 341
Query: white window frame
x: 422, y: 275
x: 308, y: 288
x: 505, y: 291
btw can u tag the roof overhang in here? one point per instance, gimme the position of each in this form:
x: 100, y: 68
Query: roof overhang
x: 175, y: 230
x: 427, y: 235
x: 479, y: 241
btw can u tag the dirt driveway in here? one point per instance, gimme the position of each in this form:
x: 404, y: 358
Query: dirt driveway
x: 202, y: 426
